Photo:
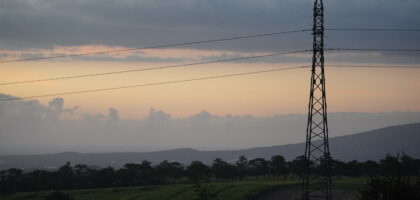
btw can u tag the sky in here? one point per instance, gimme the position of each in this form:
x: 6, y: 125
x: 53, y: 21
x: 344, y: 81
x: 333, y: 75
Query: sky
x: 36, y: 28
x: 44, y: 28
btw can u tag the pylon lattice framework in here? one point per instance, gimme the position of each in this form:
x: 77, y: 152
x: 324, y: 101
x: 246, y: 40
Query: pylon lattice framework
x: 317, y: 176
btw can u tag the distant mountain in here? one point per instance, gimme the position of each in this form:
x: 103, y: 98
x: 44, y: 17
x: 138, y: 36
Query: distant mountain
x: 371, y: 145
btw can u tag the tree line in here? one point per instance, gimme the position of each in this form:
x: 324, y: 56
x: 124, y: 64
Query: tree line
x: 82, y: 176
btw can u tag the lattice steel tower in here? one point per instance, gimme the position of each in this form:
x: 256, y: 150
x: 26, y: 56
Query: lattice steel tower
x: 317, y: 176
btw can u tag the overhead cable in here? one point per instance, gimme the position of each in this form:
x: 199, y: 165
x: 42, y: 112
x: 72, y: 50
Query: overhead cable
x: 152, y: 84
x: 154, y: 68
x: 157, y: 46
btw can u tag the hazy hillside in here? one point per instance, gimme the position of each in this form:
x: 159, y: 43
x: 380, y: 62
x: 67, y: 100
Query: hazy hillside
x: 28, y: 127
x: 362, y: 146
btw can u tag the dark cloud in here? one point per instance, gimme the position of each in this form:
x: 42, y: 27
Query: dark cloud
x: 129, y: 23
x: 33, y: 55
x: 405, y: 58
x: 42, y: 24
x: 290, y: 58
x: 131, y: 58
x: 99, y: 57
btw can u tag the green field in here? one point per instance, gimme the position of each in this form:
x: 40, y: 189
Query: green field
x: 241, y: 190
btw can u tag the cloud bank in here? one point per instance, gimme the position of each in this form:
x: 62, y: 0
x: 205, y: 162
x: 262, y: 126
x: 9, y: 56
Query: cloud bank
x: 28, y: 127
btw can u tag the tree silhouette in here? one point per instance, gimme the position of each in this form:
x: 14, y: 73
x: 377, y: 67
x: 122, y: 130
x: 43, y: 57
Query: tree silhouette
x: 131, y: 174
x: 58, y: 196
x: 223, y: 170
x: 259, y: 167
x: 297, y: 165
x: 242, y: 165
x: 391, y: 186
x: 65, y: 176
x: 197, y: 171
x: 278, y: 166
x: 169, y: 170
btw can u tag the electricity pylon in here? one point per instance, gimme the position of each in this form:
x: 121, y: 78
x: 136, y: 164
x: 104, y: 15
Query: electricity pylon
x: 317, y: 175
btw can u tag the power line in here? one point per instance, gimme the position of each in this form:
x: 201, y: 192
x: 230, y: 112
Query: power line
x: 153, y: 68
x: 153, y: 84
x: 371, y: 66
x: 159, y: 46
x: 203, y: 78
x: 375, y: 66
x: 375, y: 29
x: 209, y: 41
x: 209, y: 62
x: 372, y: 49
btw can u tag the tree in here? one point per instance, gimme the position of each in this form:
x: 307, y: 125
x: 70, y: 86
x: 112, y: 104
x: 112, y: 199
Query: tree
x: 390, y: 187
x: 58, y: 196
x: 13, y: 179
x: 278, y: 166
x: 338, y: 168
x: 409, y: 165
x: 223, y: 170
x: 197, y: 171
x: 371, y: 168
x: 82, y: 176
x: 389, y: 164
x: 130, y: 175
x: 258, y: 167
x: 64, y: 176
x: 297, y: 165
x: 392, y: 184
x: 242, y: 165
x: 169, y: 170
x: 38, y: 180
x: 354, y: 168
x: 105, y: 177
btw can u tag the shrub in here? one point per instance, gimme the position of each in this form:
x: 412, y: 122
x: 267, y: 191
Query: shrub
x: 58, y: 196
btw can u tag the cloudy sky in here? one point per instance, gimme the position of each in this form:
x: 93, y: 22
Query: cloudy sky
x: 36, y: 28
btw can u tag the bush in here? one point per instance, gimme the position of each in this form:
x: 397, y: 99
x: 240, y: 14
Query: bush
x: 384, y: 188
x: 58, y: 196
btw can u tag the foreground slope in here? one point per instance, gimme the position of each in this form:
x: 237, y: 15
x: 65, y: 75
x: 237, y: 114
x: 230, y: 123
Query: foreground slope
x: 228, y: 191
x: 241, y: 190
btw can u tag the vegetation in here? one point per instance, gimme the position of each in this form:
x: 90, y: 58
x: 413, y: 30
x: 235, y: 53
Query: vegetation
x: 196, y: 180
x: 396, y: 184
x: 58, y: 196
x: 235, y: 190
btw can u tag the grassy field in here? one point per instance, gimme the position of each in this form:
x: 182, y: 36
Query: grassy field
x: 242, y: 190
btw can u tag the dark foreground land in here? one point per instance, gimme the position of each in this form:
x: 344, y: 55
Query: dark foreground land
x: 344, y: 188
x: 295, y: 195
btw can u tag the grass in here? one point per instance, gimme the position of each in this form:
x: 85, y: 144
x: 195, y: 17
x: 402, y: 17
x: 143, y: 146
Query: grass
x: 239, y: 190
x: 349, y: 183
